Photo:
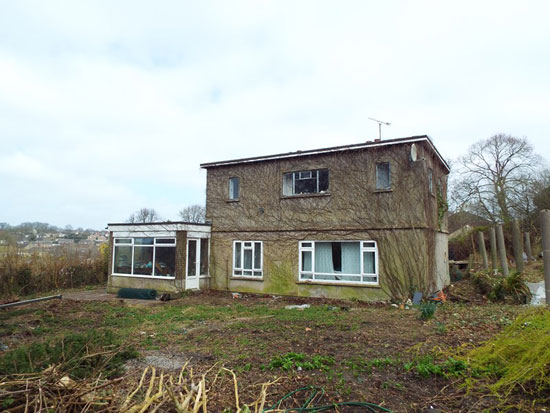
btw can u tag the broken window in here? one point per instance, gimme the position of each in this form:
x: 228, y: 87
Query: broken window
x: 247, y: 258
x: 234, y: 188
x: 305, y: 182
x: 339, y: 261
x: 383, y: 175
x: 153, y: 257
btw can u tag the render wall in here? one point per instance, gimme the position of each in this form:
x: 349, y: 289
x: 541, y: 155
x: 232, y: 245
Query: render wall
x: 398, y: 273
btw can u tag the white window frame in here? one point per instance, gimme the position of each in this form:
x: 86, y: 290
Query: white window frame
x: 240, y: 267
x: 132, y: 244
x: 306, y: 174
x: 364, y: 246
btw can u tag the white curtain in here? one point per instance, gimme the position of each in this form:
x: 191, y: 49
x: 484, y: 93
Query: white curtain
x: 368, y: 262
x: 323, y: 257
x: 351, y: 258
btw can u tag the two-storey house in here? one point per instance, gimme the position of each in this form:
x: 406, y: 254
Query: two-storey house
x: 365, y: 221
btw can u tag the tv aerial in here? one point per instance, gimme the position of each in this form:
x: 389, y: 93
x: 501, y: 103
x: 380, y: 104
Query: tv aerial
x: 380, y: 123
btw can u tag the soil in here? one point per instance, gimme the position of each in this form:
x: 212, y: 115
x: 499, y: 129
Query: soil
x: 244, y: 334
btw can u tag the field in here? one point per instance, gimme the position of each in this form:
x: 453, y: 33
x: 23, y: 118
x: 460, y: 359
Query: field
x: 352, y: 350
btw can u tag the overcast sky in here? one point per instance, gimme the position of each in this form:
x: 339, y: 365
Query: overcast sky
x: 110, y: 106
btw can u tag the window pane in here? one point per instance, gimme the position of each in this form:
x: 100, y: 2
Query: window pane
x: 369, y: 244
x: 257, y: 256
x: 307, y: 257
x: 165, y: 261
x: 351, y: 258
x: 369, y: 279
x: 305, y: 186
x: 287, y: 184
x: 383, y: 176
x: 237, y: 263
x: 143, y: 241
x: 238, y: 272
x: 165, y: 240
x: 123, y: 260
x: 305, y: 175
x: 307, y: 276
x: 306, y: 244
x: 323, y: 257
x: 323, y: 180
x: 430, y: 181
x: 247, y: 264
x: 368, y: 262
x: 192, y: 258
x: 204, y: 256
x: 143, y: 260
x: 234, y: 188
x: 123, y: 241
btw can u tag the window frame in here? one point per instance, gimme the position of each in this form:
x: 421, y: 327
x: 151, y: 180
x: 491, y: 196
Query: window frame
x: 388, y: 188
x: 362, y: 248
x: 230, y: 194
x: 132, y: 244
x: 241, y: 267
x: 431, y: 181
x: 297, y: 176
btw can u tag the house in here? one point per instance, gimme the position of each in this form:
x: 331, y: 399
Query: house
x: 365, y: 221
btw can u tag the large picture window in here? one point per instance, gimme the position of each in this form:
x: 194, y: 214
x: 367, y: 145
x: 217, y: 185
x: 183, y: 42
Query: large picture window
x: 247, y: 259
x: 339, y: 261
x: 152, y: 257
x: 305, y: 182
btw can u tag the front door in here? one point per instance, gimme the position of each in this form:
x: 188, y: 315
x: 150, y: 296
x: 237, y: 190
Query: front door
x: 192, y: 273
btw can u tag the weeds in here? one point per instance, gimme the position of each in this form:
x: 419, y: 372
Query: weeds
x: 79, y: 354
x: 427, y: 310
x: 299, y: 361
x: 426, y: 366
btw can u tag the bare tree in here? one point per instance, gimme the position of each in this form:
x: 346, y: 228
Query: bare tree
x: 193, y: 213
x: 493, y: 178
x: 144, y: 215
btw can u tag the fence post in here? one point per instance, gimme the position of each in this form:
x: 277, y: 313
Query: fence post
x: 482, y: 250
x: 493, y: 245
x: 518, y: 247
x: 502, y: 251
x: 545, y: 224
x: 527, y: 243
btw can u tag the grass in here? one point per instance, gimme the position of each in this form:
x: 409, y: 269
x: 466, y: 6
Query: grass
x: 341, y: 350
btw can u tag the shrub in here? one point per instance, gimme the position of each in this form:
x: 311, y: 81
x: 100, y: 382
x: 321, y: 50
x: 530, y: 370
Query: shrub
x: 427, y: 310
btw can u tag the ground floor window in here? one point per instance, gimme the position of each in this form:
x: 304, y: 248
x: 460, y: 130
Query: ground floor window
x: 247, y: 258
x: 153, y: 257
x: 339, y: 261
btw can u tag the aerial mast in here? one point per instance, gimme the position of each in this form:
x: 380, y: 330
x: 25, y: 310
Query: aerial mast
x: 380, y: 123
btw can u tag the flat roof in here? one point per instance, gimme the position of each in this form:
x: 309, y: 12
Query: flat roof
x: 158, y: 223
x: 357, y: 146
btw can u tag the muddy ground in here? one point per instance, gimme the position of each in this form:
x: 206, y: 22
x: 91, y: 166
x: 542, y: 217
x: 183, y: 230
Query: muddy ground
x: 365, y: 347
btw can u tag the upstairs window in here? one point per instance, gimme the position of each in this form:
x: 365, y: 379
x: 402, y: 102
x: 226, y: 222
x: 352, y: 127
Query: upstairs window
x: 431, y: 180
x: 234, y: 188
x: 383, y: 176
x: 305, y: 182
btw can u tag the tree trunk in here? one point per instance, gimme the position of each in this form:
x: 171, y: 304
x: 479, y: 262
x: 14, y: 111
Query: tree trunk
x: 518, y: 247
x: 493, y: 245
x: 482, y: 250
x: 502, y: 251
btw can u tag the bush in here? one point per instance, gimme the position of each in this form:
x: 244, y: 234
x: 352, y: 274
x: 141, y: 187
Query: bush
x: 23, y: 274
x: 518, y: 358
x: 427, y: 310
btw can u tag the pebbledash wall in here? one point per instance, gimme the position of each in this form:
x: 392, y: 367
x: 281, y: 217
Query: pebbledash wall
x: 179, y: 231
x: 407, y: 221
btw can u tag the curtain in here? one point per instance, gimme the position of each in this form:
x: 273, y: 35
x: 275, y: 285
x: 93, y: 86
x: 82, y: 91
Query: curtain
x: 351, y: 258
x: 368, y: 262
x: 323, y: 257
